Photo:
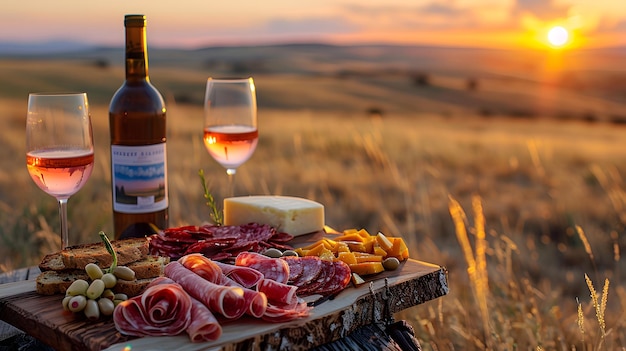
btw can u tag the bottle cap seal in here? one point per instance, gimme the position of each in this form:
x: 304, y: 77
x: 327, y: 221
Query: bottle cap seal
x: 135, y: 20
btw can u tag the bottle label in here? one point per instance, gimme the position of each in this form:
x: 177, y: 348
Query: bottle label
x: 139, y: 177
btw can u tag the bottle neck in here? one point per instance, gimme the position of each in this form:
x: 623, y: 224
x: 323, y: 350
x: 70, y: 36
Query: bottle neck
x: 136, y: 54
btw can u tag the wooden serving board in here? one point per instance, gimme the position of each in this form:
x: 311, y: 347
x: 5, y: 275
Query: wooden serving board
x: 413, y: 283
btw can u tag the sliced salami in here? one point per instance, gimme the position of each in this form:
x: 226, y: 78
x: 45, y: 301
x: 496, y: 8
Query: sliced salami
x: 272, y: 268
x: 318, y: 276
x: 228, y: 301
x: 295, y: 267
x: 311, y: 269
x: 313, y: 286
x: 338, y: 280
x: 216, y: 242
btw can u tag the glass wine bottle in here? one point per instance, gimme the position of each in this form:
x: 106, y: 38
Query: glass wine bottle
x: 137, y: 125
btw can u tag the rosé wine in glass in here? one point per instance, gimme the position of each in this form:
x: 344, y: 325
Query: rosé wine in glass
x: 60, y: 172
x: 231, y: 146
x: 230, y: 123
x: 59, y: 147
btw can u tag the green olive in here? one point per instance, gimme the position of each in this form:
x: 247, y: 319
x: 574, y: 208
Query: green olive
x: 108, y: 294
x: 92, y: 312
x: 391, y: 263
x: 273, y: 253
x: 66, y: 302
x: 106, y: 306
x: 124, y: 273
x: 122, y: 297
x: 96, y: 288
x: 77, y: 303
x: 78, y: 287
x: 109, y: 280
x: 93, y: 271
x: 290, y: 253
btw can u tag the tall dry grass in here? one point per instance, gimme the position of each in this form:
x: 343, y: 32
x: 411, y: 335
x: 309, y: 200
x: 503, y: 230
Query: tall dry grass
x: 517, y: 266
x: 516, y: 314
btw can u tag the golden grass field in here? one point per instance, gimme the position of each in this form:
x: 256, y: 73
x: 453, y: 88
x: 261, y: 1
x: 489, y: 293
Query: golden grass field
x: 516, y: 185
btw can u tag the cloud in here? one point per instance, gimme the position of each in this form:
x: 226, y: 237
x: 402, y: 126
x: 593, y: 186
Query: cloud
x: 434, y: 15
x: 543, y: 9
x: 307, y: 26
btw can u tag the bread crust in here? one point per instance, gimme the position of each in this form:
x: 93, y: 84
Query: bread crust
x: 78, y: 256
x: 59, y: 270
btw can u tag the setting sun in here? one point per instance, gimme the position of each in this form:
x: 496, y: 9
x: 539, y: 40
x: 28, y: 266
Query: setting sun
x: 558, y: 36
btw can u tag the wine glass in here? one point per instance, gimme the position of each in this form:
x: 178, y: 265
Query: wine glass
x: 59, y: 146
x: 230, y: 123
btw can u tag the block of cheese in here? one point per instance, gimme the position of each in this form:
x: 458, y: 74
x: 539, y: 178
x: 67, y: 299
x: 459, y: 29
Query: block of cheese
x: 292, y: 215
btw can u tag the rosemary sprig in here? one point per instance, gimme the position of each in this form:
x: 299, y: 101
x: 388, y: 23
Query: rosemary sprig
x: 109, y: 247
x: 217, y: 216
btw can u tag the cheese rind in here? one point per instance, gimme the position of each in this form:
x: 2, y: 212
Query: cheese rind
x: 292, y: 215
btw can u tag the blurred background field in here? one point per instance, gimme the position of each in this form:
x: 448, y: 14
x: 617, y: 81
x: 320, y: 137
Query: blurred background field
x: 386, y: 137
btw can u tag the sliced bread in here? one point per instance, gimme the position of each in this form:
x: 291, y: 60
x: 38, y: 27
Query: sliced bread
x: 53, y: 282
x: 56, y: 282
x: 77, y: 257
x: 149, y: 267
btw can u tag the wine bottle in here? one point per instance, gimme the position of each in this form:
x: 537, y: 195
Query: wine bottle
x: 137, y: 126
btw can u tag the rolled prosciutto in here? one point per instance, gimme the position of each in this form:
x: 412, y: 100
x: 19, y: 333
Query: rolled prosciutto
x: 278, y: 314
x: 244, y: 276
x: 203, y: 266
x: 203, y: 326
x: 255, y: 300
x: 279, y: 294
x: 163, y: 309
x: 229, y: 301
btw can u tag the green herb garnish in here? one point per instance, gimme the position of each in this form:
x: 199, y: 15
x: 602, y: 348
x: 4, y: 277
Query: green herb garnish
x: 109, y: 247
x: 216, y: 215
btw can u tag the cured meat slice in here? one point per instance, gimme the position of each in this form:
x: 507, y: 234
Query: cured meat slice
x: 255, y: 300
x: 203, y: 267
x: 295, y: 267
x: 338, y: 280
x: 278, y: 314
x: 163, y: 309
x: 272, y: 268
x: 228, y: 301
x: 318, y: 276
x: 278, y: 294
x: 311, y: 269
x: 312, y: 287
x: 244, y: 276
x: 216, y: 242
x: 203, y: 325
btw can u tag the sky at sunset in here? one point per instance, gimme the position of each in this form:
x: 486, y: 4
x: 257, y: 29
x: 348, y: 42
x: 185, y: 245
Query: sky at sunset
x: 195, y: 23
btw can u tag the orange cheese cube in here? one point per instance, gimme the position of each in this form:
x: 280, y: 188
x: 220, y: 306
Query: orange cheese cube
x: 399, y: 249
x: 367, y: 268
x: 365, y: 257
x: 347, y: 257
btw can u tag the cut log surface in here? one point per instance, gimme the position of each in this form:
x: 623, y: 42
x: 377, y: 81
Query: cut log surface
x: 415, y: 282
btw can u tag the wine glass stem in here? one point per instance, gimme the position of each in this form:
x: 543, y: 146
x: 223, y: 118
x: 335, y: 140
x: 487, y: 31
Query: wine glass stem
x: 231, y: 182
x: 63, y: 216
